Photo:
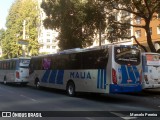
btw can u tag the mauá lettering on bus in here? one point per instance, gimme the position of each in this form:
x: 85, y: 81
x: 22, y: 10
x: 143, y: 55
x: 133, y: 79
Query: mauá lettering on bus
x: 82, y: 75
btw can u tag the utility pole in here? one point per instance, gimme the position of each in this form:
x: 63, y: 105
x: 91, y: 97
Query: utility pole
x: 100, y: 40
x: 24, y: 37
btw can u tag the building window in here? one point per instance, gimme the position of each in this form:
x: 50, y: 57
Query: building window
x: 158, y: 29
x: 48, y: 47
x: 48, y: 34
x: 53, y: 47
x: 138, y: 33
x: 138, y: 20
x: 48, y: 40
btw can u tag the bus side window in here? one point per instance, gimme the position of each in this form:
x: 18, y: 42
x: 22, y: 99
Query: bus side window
x: 102, y: 62
x: 53, y: 63
x: 75, y: 61
x: 101, y: 59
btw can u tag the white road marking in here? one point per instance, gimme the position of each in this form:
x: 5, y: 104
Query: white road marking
x: 28, y: 97
x: 125, y: 118
x: 88, y: 118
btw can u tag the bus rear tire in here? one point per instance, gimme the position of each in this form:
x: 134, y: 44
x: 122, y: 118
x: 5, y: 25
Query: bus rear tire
x: 5, y: 81
x: 70, y: 89
x: 37, y: 83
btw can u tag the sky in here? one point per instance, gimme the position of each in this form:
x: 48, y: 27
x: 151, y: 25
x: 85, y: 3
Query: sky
x: 4, y: 8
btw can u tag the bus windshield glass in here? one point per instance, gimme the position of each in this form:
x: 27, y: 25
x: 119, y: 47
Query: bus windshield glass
x: 153, y: 59
x: 127, y: 56
x: 24, y: 63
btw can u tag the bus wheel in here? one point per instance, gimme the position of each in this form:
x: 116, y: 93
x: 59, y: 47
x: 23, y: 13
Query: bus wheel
x: 70, y: 89
x: 37, y: 83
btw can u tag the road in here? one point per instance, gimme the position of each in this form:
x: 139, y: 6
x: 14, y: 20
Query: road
x: 117, y: 106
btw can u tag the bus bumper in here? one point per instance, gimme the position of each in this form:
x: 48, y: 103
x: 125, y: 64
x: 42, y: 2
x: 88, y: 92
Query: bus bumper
x: 125, y: 89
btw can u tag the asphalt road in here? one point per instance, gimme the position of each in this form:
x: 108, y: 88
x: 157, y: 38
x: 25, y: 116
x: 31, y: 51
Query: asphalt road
x: 57, y: 104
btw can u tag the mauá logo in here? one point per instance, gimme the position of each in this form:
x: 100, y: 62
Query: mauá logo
x: 81, y: 75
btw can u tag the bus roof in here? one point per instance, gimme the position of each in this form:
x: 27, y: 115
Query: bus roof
x: 144, y: 53
x: 78, y: 50
x: 16, y: 58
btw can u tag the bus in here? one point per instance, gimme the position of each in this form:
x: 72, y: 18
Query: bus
x: 104, y: 69
x: 151, y: 70
x: 14, y: 70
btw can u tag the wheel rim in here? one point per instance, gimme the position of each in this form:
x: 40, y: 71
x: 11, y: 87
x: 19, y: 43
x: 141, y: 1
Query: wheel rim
x: 4, y: 81
x: 38, y: 84
x: 70, y: 90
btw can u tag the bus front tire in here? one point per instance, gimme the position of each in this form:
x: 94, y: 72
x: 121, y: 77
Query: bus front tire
x: 70, y: 89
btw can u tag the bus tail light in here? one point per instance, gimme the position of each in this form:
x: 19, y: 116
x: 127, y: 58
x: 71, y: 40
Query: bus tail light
x: 114, y: 76
x: 17, y: 75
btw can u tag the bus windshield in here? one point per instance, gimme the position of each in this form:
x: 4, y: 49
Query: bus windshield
x: 24, y: 63
x: 153, y: 59
x: 127, y: 55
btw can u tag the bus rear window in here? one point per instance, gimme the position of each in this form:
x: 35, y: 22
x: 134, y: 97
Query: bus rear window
x: 127, y: 55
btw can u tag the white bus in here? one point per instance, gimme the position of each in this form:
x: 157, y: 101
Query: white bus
x: 151, y: 70
x: 105, y: 69
x: 14, y: 70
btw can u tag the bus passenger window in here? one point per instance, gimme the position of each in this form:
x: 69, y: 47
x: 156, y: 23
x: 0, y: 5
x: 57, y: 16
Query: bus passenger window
x: 101, y: 62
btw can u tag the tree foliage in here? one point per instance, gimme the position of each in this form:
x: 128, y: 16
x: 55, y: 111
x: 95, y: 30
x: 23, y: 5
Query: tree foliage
x: 21, y: 10
x: 2, y: 35
x: 144, y: 9
x: 76, y: 21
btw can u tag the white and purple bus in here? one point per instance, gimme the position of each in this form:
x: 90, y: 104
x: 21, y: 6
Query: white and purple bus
x: 104, y: 69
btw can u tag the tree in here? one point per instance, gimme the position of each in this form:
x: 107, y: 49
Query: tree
x: 21, y: 10
x: 2, y: 35
x: 144, y: 9
x: 76, y: 21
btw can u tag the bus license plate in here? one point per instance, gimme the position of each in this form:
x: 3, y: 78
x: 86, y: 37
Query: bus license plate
x: 129, y: 81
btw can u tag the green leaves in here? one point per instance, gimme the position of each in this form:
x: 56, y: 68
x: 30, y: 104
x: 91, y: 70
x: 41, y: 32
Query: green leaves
x: 21, y: 10
x: 143, y: 9
x: 77, y: 21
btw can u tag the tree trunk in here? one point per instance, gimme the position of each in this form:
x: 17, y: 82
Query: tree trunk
x: 149, y: 39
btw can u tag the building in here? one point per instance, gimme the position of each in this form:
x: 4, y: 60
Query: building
x: 100, y: 37
x: 47, y: 38
x: 154, y: 30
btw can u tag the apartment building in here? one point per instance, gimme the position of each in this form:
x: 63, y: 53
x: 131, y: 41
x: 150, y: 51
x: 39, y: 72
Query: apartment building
x: 119, y: 16
x: 154, y: 30
x: 47, y: 38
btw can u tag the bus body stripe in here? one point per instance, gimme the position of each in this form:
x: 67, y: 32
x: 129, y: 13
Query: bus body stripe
x: 102, y: 78
x: 45, y: 76
x: 136, y: 72
x: 52, y: 78
x: 105, y: 78
x: 131, y: 74
x: 60, y: 77
x: 124, y: 74
x: 98, y: 78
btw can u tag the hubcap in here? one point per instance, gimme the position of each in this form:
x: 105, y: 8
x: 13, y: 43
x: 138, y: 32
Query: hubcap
x: 70, y: 90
